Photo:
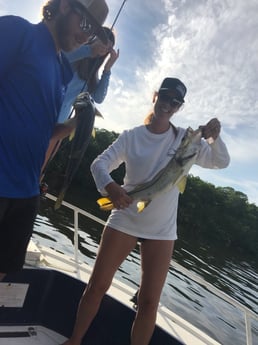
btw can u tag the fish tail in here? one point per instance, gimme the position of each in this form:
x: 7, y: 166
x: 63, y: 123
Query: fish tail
x: 72, y: 134
x: 105, y: 204
x: 59, y: 200
x: 182, y: 184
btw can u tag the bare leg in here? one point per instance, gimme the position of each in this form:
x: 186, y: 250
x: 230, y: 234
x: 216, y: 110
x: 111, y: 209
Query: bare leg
x: 156, y: 256
x: 114, y: 248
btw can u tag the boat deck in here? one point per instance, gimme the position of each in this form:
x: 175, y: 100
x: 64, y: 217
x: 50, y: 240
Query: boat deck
x: 36, y: 312
x: 48, y: 299
x: 29, y: 335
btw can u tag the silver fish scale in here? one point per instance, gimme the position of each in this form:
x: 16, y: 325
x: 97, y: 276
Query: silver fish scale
x: 174, y: 171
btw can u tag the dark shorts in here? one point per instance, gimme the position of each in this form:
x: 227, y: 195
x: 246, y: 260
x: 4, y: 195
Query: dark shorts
x: 17, y: 217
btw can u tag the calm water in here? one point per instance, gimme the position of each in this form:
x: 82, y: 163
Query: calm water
x: 181, y: 294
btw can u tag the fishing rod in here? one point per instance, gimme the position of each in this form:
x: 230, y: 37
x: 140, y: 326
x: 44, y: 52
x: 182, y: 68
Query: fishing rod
x: 121, y: 7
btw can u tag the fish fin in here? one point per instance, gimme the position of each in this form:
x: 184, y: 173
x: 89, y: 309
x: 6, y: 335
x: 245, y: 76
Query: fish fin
x: 141, y: 205
x: 105, y: 204
x: 98, y: 113
x: 181, y: 184
x: 71, y: 136
x: 59, y: 200
x: 93, y: 133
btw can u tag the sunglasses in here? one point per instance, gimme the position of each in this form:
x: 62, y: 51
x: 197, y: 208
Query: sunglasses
x: 85, y: 24
x: 172, y: 101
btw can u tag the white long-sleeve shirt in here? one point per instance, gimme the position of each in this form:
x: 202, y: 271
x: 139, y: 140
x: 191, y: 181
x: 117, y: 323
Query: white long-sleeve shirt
x: 145, y: 154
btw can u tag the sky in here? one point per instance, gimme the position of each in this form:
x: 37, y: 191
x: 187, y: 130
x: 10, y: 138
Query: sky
x: 211, y: 45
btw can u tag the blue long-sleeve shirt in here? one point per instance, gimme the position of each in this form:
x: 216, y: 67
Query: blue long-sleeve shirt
x: 78, y: 85
x: 33, y: 80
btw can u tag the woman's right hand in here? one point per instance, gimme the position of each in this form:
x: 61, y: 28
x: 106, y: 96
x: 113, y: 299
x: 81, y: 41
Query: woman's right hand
x: 113, y: 56
x: 100, y: 49
x: 118, y: 195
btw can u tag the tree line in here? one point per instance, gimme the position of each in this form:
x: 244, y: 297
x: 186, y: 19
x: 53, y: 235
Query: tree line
x: 218, y: 217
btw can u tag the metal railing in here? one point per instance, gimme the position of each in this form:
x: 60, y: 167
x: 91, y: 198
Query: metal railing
x: 248, y: 314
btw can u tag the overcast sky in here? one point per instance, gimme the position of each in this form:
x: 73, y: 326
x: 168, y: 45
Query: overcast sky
x: 211, y: 45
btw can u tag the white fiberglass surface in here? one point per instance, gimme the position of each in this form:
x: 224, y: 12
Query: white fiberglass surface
x: 29, y: 335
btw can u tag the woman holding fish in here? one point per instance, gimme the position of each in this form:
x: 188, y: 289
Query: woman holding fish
x: 157, y: 157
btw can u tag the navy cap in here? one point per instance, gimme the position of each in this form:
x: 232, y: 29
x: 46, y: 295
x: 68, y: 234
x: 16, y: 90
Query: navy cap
x: 175, y: 85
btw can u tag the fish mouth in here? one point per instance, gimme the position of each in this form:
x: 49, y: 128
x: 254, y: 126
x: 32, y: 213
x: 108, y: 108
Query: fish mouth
x: 83, y: 100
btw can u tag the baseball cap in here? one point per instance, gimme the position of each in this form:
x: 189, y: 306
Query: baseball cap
x: 97, y: 11
x: 176, y: 85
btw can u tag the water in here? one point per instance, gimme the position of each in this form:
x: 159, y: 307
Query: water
x: 181, y: 294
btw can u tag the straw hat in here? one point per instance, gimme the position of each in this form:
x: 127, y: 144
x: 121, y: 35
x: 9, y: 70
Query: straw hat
x: 98, y: 11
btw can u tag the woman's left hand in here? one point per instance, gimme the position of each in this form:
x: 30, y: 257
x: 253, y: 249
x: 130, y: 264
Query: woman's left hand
x: 211, y: 129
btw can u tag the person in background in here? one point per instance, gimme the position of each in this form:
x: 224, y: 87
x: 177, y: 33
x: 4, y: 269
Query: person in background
x: 156, y: 228
x: 86, y: 63
x: 34, y: 74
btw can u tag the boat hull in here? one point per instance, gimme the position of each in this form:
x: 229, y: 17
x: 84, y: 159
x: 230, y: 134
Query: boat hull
x: 51, y: 301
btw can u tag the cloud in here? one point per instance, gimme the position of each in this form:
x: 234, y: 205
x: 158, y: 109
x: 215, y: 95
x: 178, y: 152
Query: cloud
x: 242, y: 146
x: 211, y: 46
x: 2, y: 8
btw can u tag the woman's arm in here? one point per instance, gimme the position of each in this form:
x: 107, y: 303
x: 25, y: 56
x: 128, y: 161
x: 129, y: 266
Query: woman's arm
x: 102, y: 87
x: 214, y: 153
x: 79, y: 53
x: 106, y: 162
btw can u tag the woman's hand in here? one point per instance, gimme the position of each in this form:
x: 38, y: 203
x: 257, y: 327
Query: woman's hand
x: 118, y: 195
x: 100, y: 49
x: 113, y: 56
x: 211, y: 129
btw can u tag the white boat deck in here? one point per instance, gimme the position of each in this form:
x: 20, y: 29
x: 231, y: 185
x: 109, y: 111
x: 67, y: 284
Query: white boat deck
x: 41, y: 256
x: 29, y: 335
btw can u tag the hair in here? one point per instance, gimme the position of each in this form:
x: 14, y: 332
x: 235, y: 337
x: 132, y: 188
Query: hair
x: 148, y: 118
x: 50, y: 9
x: 88, y: 68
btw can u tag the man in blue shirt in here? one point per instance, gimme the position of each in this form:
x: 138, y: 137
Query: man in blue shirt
x: 34, y: 75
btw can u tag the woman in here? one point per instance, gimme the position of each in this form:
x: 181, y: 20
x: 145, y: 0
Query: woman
x: 86, y: 62
x: 145, y: 150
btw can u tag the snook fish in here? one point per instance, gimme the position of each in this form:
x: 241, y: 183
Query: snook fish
x: 174, y: 173
x: 85, y: 112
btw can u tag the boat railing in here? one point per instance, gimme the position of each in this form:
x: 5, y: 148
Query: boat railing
x: 249, y: 315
